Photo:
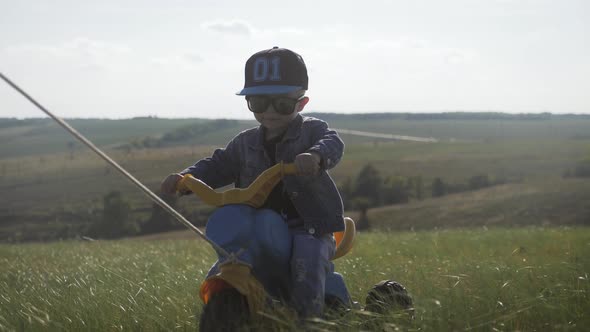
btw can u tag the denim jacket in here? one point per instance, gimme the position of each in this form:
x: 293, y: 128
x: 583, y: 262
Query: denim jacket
x: 316, y: 198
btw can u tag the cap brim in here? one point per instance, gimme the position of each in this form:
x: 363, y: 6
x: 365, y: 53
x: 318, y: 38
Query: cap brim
x: 268, y: 90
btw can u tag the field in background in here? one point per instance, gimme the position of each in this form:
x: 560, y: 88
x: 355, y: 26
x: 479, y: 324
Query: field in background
x: 42, y: 136
x: 554, y: 202
x: 521, y: 279
x: 46, y: 183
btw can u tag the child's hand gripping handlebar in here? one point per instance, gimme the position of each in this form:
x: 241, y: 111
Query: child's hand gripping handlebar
x: 256, y: 194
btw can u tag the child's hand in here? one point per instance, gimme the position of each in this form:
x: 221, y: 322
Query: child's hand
x: 168, y: 186
x: 308, y: 163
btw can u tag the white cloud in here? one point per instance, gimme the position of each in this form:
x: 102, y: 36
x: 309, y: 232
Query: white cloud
x: 237, y: 27
x: 292, y: 31
x: 419, y: 50
x: 79, y: 52
x: 193, y: 57
x: 184, y: 61
x: 244, y: 28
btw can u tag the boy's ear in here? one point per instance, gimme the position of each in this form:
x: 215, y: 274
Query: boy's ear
x: 301, y: 104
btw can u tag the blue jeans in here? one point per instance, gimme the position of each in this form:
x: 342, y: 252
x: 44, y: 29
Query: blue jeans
x: 310, y: 263
x: 290, y: 263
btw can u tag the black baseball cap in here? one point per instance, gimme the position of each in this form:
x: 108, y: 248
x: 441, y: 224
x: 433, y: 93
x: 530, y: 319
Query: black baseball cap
x: 274, y: 71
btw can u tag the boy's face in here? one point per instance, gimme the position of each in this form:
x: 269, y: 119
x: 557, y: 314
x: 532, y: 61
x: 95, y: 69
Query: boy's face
x: 275, y: 121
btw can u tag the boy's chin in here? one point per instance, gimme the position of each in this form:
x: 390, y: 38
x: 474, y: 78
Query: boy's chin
x: 274, y: 124
x: 275, y: 129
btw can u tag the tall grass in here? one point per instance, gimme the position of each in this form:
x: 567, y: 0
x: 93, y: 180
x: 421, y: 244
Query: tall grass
x: 518, y: 279
x: 523, y: 279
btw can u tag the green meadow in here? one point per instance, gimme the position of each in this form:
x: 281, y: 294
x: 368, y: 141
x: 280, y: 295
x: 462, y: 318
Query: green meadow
x: 522, y: 279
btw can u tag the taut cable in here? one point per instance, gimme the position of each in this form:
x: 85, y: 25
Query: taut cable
x: 113, y: 163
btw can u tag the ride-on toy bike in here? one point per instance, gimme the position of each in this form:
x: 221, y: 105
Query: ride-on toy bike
x: 255, y: 275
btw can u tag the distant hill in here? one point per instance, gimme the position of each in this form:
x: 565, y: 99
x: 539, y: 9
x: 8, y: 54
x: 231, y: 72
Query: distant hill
x: 450, y: 116
x: 214, y: 132
x: 43, y: 136
x: 551, y: 203
x: 484, y: 126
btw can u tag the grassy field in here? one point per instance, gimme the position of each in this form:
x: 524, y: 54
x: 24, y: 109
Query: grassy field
x: 46, y: 189
x: 526, y: 279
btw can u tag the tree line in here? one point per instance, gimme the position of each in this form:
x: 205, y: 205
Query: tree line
x: 368, y: 189
x: 182, y: 134
x: 116, y: 219
x: 580, y: 170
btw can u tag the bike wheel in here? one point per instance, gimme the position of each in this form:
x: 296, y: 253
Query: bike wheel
x: 227, y: 310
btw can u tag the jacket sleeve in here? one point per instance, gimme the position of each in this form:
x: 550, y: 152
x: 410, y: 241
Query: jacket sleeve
x: 327, y: 144
x: 220, y: 169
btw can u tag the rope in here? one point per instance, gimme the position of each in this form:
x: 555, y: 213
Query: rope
x: 143, y: 188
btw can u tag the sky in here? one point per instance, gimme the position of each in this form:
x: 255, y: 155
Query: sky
x: 181, y: 58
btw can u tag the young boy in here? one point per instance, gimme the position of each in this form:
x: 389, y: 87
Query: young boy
x: 310, y: 204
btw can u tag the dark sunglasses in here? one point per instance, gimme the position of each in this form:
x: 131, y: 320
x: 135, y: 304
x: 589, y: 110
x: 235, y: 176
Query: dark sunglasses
x: 282, y: 105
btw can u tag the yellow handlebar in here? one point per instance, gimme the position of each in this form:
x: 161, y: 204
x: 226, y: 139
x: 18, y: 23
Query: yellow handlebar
x: 255, y: 195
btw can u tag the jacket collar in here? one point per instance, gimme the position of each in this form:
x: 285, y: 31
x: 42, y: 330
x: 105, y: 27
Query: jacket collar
x: 294, y: 129
x: 293, y: 132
